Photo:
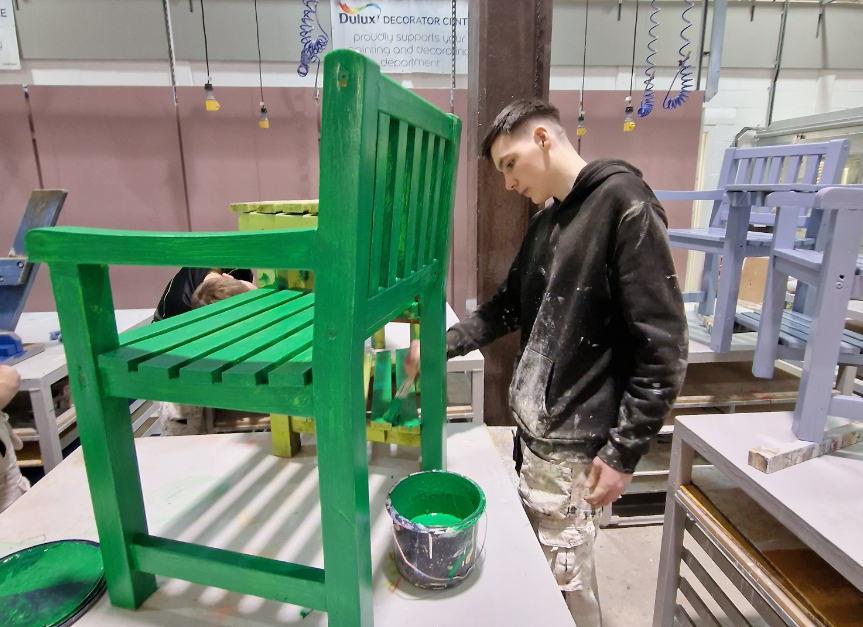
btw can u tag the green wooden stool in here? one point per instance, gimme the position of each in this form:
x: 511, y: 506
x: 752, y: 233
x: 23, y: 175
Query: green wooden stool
x: 388, y: 164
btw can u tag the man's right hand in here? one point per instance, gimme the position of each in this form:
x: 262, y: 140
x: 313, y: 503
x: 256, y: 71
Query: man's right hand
x: 412, y: 362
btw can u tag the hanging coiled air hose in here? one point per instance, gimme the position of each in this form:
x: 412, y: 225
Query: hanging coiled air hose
x: 312, y: 48
x: 684, y: 69
x: 648, y: 96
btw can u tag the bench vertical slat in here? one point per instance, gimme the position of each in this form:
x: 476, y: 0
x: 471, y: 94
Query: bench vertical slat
x: 813, y: 167
x: 742, y: 171
x: 792, y: 169
x: 428, y: 177
x: 399, y: 202
x: 383, y: 202
x: 382, y: 391
x: 437, y: 199
x: 407, y: 415
x: 758, y: 170
x: 414, y: 210
x: 775, y: 170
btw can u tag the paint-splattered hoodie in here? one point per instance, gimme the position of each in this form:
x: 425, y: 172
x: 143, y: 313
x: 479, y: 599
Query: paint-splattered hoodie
x: 603, y: 331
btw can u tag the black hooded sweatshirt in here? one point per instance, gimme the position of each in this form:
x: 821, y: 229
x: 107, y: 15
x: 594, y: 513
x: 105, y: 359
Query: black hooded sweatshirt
x: 604, y: 340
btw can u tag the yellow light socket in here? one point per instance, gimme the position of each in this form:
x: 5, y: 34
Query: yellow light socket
x: 628, y: 122
x: 210, y: 101
x: 264, y: 122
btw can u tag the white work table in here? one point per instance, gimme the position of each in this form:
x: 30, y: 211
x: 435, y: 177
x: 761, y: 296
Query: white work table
x: 42, y: 369
x: 228, y: 491
x: 819, y: 500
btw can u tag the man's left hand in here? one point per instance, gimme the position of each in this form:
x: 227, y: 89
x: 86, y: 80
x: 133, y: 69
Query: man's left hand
x: 605, y: 483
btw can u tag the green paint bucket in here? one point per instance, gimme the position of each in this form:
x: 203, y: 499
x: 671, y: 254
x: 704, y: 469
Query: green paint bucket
x: 434, y: 527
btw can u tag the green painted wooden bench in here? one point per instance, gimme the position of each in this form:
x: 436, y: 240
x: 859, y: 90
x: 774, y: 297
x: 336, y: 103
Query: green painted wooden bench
x: 387, y: 183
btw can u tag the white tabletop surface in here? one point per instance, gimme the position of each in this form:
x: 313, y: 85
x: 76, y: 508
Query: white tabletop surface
x: 228, y: 491
x: 34, y: 327
x: 820, y: 501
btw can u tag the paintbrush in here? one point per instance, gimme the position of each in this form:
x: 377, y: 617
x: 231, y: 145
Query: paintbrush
x: 396, y: 404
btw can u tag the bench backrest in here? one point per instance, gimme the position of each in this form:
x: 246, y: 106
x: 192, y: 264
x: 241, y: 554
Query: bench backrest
x: 387, y: 185
x: 821, y: 162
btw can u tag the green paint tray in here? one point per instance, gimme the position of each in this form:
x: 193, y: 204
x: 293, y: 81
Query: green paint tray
x: 50, y: 585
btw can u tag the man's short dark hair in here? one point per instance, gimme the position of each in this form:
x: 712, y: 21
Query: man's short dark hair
x: 514, y: 116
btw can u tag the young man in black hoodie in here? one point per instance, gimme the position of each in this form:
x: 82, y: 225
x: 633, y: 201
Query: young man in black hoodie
x: 604, y: 341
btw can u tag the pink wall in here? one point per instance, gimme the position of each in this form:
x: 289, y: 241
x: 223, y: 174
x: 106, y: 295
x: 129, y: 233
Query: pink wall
x: 230, y: 159
x: 117, y: 151
x: 664, y: 145
x: 17, y: 163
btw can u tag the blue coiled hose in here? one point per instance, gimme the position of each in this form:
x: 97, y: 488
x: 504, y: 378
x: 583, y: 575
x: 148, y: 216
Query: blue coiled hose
x: 684, y: 69
x: 648, y: 97
x: 312, y: 48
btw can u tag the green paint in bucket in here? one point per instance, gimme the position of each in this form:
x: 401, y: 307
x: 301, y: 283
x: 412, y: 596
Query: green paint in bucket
x: 434, y: 527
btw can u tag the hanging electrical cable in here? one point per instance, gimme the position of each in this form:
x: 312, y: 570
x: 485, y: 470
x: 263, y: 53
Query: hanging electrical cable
x: 312, y: 48
x: 454, y: 50
x: 581, y: 128
x: 264, y: 121
x: 647, y: 98
x: 684, y: 69
x: 210, y: 101
x: 628, y: 122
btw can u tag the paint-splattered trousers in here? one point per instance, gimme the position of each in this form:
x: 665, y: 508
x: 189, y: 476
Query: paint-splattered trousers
x: 553, y: 497
x: 177, y: 419
x: 12, y: 484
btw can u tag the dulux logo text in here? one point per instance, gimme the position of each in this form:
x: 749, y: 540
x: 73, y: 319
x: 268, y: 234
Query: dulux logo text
x: 350, y: 15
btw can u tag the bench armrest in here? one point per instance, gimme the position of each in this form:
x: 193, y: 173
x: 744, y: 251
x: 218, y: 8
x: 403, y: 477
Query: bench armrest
x: 828, y: 198
x: 707, y: 194
x: 284, y: 249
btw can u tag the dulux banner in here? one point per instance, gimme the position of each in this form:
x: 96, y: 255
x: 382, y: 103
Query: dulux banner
x: 403, y: 35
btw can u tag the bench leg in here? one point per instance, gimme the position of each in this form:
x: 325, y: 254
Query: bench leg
x: 433, y: 368
x: 767, y: 342
x: 709, y: 280
x: 733, y: 255
x: 286, y: 441
x: 86, y: 309
x: 340, y: 428
x: 836, y: 281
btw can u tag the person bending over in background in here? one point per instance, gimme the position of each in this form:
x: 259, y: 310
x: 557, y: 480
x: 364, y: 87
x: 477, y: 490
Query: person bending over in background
x: 213, y: 286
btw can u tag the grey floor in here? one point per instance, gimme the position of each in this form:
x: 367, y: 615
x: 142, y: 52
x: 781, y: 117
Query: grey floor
x: 627, y: 560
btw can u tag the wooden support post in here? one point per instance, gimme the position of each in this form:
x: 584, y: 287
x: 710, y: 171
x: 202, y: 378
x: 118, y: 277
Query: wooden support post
x: 510, y: 57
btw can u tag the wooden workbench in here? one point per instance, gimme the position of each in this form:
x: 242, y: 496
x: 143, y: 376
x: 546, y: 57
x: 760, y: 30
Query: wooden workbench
x: 228, y: 491
x: 52, y: 432
x: 818, y: 501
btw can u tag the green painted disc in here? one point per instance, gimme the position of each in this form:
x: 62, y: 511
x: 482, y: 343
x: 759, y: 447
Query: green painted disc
x: 51, y: 584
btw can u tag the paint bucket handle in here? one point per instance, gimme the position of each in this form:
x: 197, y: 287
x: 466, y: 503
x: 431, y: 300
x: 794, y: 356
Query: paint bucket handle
x: 426, y: 576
